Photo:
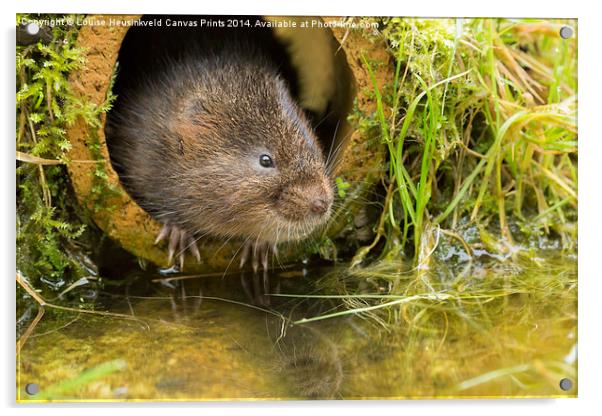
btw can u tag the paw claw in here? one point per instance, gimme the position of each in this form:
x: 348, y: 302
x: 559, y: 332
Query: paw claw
x: 162, y: 234
x: 194, y: 249
x: 170, y: 254
x: 244, y: 256
x: 178, y: 242
x: 181, y: 260
x: 259, y: 253
x: 264, y: 260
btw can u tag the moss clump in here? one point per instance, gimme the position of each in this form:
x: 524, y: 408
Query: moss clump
x: 52, y: 233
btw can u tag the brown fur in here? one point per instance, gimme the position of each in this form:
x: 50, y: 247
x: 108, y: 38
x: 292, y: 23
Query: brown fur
x: 187, y: 145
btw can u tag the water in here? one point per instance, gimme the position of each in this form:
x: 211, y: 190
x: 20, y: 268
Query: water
x: 216, y: 338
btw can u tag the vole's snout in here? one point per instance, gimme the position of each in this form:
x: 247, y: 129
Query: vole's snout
x: 302, y: 203
x: 318, y: 200
x: 320, y: 206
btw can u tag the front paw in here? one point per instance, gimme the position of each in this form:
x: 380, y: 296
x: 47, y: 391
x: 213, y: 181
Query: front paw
x: 259, y: 253
x: 178, y: 242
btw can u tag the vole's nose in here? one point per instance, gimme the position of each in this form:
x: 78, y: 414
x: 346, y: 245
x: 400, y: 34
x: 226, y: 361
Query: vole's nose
x: 319, y: 206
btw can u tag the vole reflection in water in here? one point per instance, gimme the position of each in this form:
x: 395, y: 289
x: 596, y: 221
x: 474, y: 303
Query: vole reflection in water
x: 304, y: 355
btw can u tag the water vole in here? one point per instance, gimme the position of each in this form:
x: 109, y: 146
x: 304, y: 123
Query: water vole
x: 213, y: 143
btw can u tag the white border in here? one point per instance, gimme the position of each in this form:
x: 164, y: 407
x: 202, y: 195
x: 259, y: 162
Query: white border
x: 590, y: 164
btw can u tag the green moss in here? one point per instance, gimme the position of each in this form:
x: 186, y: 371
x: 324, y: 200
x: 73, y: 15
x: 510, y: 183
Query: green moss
x: 102, y: 190
x: 52, y: 232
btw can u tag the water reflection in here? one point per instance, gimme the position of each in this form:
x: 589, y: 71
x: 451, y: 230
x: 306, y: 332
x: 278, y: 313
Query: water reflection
x: 232, y: 338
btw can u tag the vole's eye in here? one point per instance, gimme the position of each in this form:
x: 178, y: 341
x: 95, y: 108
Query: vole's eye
x: 266, y: 161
